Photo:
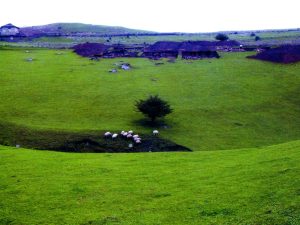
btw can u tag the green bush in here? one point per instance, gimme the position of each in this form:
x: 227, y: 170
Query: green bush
x: 153, y: 107
x: 221, y: 37
x: 257, y: 38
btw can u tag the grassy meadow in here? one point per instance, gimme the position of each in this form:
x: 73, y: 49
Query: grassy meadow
x: 247, y: 107
x: 248, y: 186
x: 226, y: 103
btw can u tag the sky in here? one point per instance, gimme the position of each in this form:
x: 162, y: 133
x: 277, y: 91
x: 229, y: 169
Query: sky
x: 157, y: 15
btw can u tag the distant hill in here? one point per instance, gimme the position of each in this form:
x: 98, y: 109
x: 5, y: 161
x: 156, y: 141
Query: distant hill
x: 78, y: 28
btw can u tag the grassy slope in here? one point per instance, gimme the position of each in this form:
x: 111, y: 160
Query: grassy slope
x: 66, y: 28
x: 249, y: 186
x: 228, y: 103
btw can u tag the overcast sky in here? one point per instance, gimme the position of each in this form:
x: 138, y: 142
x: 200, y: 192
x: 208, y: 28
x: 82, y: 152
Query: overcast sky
x: 157, y: 15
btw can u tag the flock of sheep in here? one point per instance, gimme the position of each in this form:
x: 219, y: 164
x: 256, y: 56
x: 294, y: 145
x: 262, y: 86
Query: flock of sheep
x: 128, y: 135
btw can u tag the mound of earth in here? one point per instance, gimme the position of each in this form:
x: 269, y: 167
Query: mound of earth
x: 283, y: 54
x: 93, y: 142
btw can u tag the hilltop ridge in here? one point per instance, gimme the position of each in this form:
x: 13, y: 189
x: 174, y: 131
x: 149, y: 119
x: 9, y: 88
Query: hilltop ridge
x: 79, y: 28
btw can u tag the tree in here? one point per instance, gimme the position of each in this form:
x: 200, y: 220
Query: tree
x: 153, y: 107
x: 257, y: 38
x: 221, y: 37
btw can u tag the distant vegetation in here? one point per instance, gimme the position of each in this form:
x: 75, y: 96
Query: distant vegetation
x: 222, y: 37
x: 257, y: 38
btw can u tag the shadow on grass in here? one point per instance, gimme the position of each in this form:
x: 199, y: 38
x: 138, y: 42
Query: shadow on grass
x: 158, y: 124
x: 83, y: 142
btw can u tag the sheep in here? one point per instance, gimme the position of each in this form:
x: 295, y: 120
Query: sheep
x: 155, y: 132
x: 107, y: 134
x: 122, y: 132
x: 114, y: 136
x: 130, y: 132
x: 125, y: 134
x: 129, y: 135
x: 138, y: 141
x: 135, y: 136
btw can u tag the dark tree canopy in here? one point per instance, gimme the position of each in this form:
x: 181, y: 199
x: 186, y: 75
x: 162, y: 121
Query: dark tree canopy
x: 221, y: 37
x: 153, y: 107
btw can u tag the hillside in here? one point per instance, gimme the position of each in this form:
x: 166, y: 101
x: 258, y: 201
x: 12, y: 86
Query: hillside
x: 226, y: 103
x: 239, y: 116
x: 77, y: 28
x: 248, y: 186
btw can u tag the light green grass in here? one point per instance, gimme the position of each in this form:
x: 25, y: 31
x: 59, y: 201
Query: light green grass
x: 248, y: 186
x: 225, y: 103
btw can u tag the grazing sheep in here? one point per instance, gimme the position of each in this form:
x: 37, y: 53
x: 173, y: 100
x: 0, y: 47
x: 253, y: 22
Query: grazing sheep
x: 125, y: 134
x: 107, y: 134
x: 122, y: 132
x: 114, y: 136
x: 155, y: 132
x: 135, y: 136
x: 129, y: 136
x: 130, y: 132
x: 138, y: 141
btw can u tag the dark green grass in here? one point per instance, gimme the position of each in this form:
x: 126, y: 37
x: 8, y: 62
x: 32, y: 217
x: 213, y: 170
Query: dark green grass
x: 249, y: 186
x: 84, y: 141
x: 225, y: 103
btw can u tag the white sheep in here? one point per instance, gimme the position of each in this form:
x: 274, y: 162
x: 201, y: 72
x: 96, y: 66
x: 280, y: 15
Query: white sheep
x: 122, y: 132
x: 125, y: 134
x: 130, y: 132
x: 138, y: 141
x: 135, y: 136
x: 129, y: 135
x: 155, y: 132
x: 107, y: 134
x: 114, y: 136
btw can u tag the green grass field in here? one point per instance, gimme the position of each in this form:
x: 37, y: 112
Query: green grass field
x: 226, y: 103
x: 248, y: 186
x: 232, y: 103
